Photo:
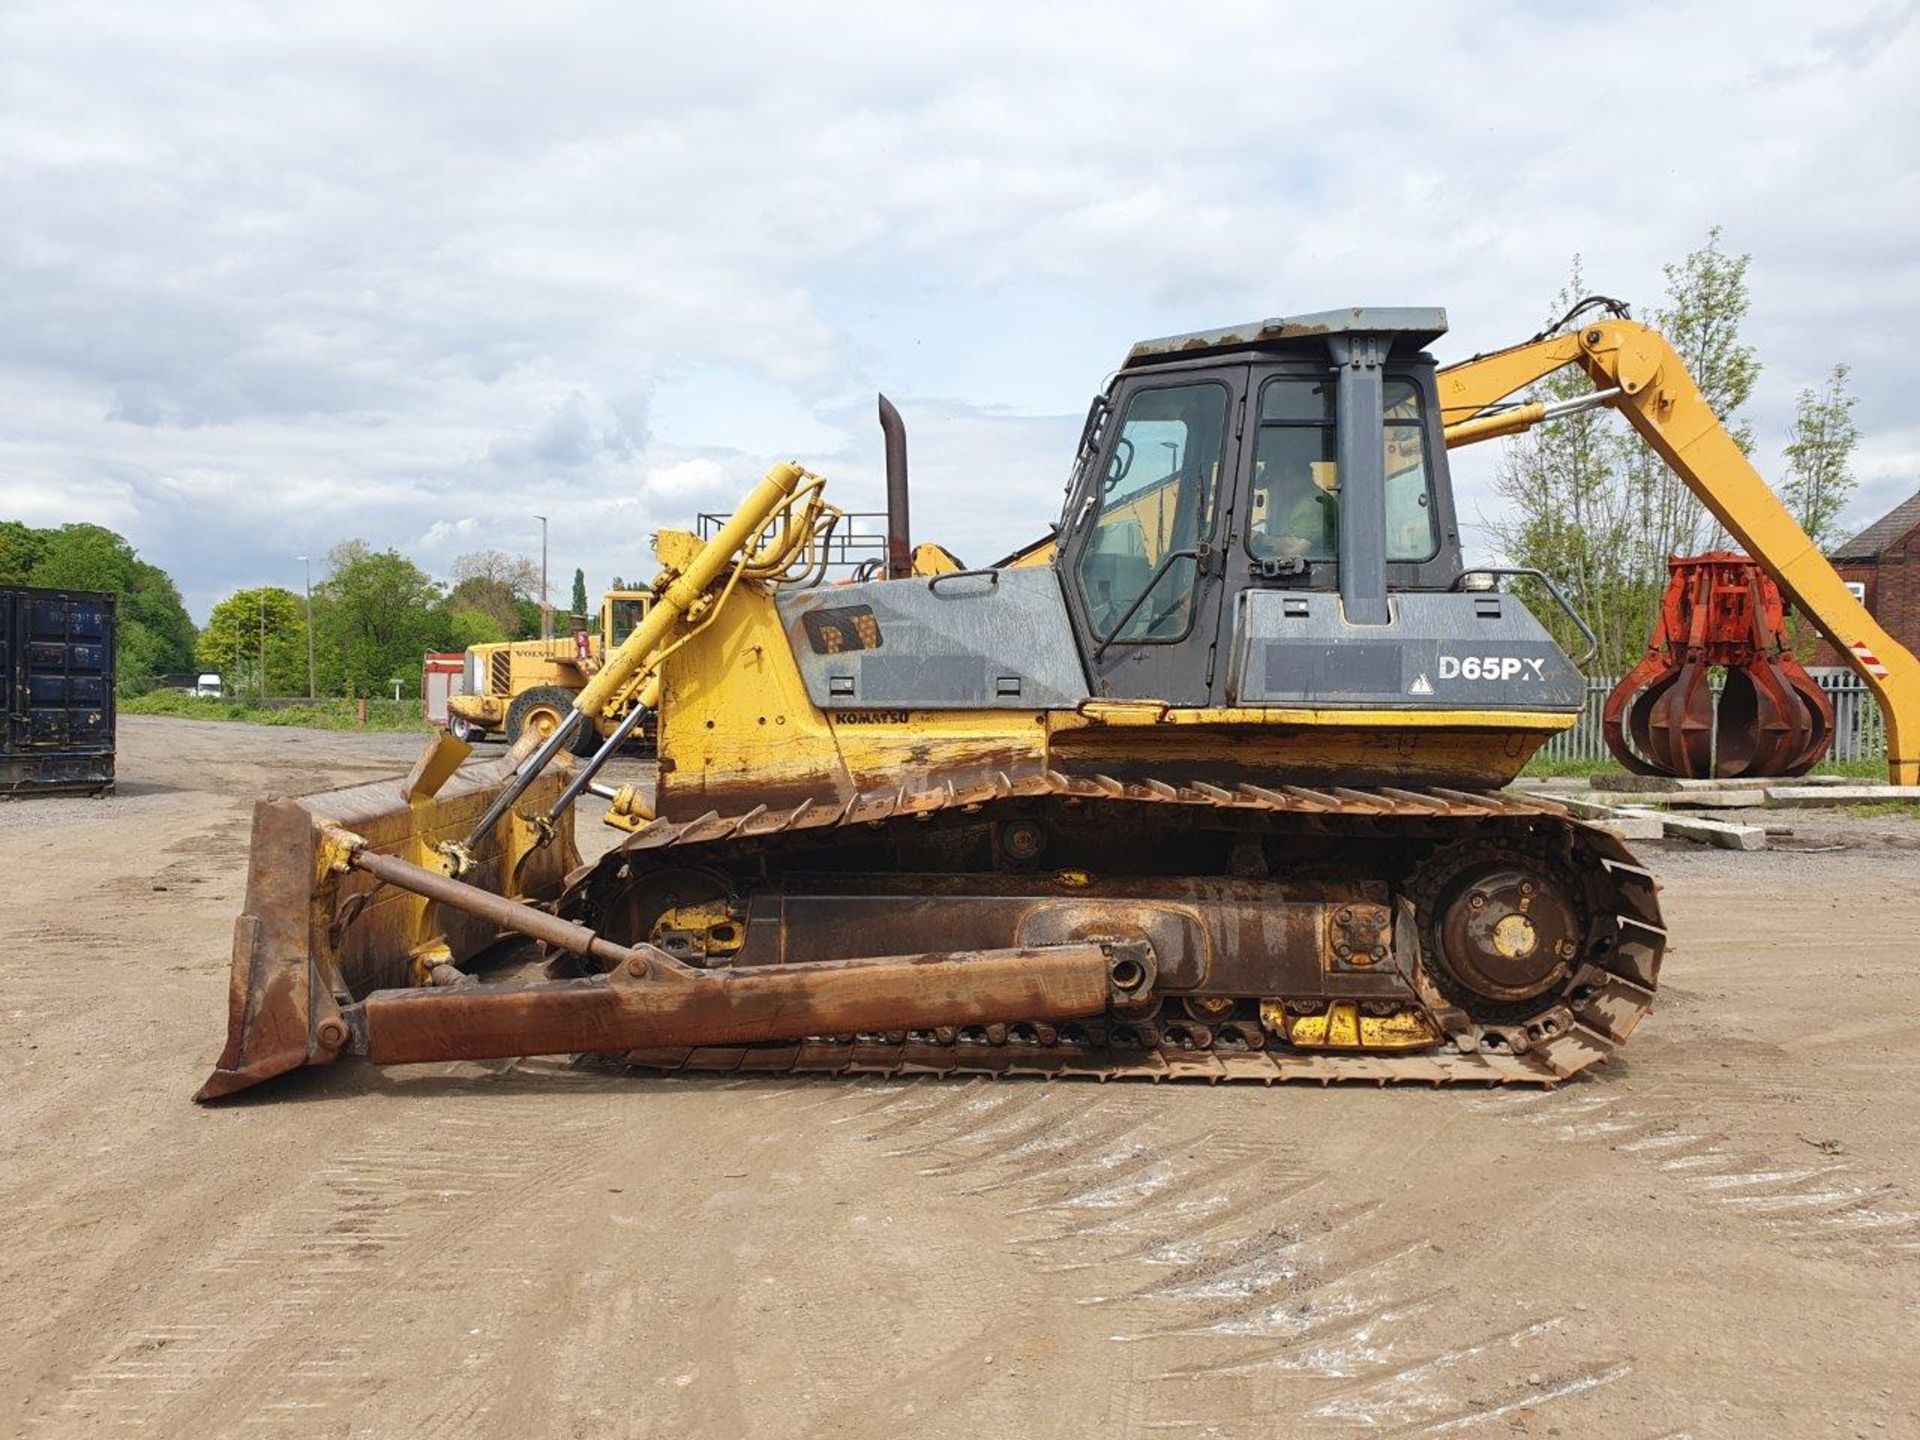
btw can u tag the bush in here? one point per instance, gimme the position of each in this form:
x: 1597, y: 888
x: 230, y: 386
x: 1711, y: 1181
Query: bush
x: 319, y: 715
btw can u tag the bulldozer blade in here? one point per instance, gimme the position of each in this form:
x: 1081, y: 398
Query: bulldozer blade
x: 314, y: 938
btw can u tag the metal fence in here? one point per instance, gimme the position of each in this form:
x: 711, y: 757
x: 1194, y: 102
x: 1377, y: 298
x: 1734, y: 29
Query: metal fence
x: 1858, y: 731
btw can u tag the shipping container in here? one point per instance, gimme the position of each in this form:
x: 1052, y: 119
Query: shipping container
x: 442, y: 674
x: 56, y: 691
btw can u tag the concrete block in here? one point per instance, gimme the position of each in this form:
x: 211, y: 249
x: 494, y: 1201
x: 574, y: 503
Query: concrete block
x: 1714, y: 832
x: 1630, y: 823
x: 1800, y: 793
x: 1585, y: 806
x: 1669, y: 785
x: 1624, y: 783
x: 1748, y: 799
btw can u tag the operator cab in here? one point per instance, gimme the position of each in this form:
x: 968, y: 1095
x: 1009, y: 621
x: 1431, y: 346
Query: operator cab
x: 625, y: 609
x: 1301, y: 455
x: 1258, y: 518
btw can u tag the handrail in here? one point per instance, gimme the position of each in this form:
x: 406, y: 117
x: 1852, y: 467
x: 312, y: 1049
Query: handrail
x: 1593, y: 641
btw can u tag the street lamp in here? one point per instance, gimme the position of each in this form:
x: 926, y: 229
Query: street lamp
x: 311, y: 692
x: 546, y: 610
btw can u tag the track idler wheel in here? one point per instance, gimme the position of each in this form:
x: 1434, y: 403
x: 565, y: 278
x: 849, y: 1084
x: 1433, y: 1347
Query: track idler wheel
x: 1502, y: 933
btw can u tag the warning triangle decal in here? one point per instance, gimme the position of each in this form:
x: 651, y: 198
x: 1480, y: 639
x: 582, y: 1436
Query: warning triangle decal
x: 1421, y: 686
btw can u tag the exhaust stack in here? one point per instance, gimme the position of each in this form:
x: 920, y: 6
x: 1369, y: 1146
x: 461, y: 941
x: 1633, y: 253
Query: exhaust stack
x: 899, y: 543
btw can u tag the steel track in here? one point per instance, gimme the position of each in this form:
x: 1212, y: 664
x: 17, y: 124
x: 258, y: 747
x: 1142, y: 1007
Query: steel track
x: 1609, y: 992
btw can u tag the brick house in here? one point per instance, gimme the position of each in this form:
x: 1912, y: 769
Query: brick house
x: 1884, y: 560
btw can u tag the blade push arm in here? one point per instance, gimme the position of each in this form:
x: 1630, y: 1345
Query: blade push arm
x: 1649, y: 384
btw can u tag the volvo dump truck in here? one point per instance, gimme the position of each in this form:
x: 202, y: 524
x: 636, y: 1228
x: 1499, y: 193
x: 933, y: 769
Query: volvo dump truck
x: 1214, y: 793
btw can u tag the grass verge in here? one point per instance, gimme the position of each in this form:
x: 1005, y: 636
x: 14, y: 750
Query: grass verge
x: 317, y: 715
x: 1540, y: 768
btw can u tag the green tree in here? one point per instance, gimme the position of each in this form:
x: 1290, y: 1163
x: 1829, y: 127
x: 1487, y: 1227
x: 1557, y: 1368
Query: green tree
x: 514, y: 616
x: 1705, y: 306
x: 502, y: 586
x: 21, y: 547
x: 580, y: 594
x: 233, y: 636
x: 1819, y: 452
x: 155, y: 632
x: 374, y: 617
x: 1570, y: 516
x: 463, y: 627
x: 1588, y: 502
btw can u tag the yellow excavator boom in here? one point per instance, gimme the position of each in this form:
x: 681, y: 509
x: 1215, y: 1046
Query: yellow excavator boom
x: 1636, y: 371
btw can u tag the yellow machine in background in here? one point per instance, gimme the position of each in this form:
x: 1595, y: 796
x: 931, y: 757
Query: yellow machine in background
x: 1214, y: 791
x: 525, y: 687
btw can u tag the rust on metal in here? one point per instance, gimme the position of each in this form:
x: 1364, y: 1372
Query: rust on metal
x: 733, y: 1007
x: 271, y: 1027
x: 1721, y: 612
x: 504, y: 914
x: 1169, y: 976
x: 1592, y: 1002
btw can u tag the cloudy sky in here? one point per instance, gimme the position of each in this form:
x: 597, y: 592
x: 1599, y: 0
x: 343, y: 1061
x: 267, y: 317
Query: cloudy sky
x: 271, y: 277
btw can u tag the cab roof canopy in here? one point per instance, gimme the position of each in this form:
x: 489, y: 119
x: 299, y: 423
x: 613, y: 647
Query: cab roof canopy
x: 1410, y: 328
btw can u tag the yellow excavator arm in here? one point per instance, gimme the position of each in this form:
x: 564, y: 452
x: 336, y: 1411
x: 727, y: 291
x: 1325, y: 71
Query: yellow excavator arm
x: 1635, y: 371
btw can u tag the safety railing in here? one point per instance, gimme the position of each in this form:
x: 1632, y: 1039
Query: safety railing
x: 856, y: 548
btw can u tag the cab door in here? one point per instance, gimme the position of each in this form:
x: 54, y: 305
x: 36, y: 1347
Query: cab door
x: 1142, y: 560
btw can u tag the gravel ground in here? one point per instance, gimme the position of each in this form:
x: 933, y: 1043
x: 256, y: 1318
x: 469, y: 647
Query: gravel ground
x: 1719, y: 1235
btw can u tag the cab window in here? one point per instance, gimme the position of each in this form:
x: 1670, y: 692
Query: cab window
x: 625, y: 615
x: 1411, y: 533
x: 1296, y: 482
x: 1295, y: 509
x: 1155, y: 505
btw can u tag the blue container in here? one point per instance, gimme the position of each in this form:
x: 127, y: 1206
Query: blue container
x: 56, y: 692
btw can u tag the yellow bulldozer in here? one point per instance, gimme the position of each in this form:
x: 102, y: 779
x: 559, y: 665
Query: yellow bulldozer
x: 1216, y: 792
x: 520, y: 687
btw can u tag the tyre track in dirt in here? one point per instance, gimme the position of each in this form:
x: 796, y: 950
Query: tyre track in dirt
x: 1828, y: 1205
x: 549, y: 1249
x: 292, y: 1316
x: 1246, y: 1286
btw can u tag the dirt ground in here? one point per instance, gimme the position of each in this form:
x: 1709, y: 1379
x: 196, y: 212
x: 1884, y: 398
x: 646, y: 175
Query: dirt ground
x: 1719, y: 1236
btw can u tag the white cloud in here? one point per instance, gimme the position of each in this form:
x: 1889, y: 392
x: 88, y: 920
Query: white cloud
x: 274, y: 278
x: 698, y: 476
